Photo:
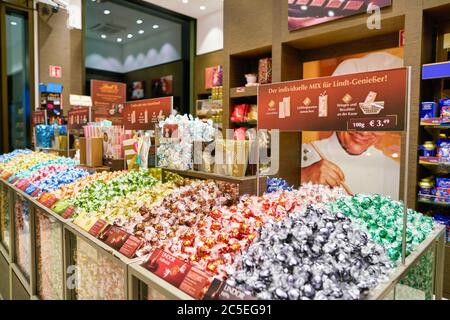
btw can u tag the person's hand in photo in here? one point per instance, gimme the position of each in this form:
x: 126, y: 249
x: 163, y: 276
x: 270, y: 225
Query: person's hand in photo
x: 323, y: 172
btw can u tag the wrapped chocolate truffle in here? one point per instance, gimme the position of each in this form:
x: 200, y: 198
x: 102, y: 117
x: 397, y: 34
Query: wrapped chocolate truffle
x: 311, y: 254
x: 179, y: 211
x: 383, y: 220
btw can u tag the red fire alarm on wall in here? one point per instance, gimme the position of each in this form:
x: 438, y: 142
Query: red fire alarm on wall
x: 55, y: 72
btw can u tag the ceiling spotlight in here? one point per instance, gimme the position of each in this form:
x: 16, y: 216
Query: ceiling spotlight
x: 185, y: 1
x: 141, y: 31
x: 202, y: 8
x: 155, y: 26
x: 139, y: 21
x: 13, y: 23
x: 107, y: 12
x: 103, y: 36
x: 119, y: 39
x: 129, y: 36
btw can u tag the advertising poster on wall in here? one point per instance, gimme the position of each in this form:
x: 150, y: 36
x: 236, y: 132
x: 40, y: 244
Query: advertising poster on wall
x: 213, y: 77
x: 306, y: 13
x: 162, y: 87
x: 137, y: 90
x: 108, y: 100
x: 359, y: 157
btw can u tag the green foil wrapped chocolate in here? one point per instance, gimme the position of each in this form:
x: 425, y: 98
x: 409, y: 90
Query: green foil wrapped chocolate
x: 382, y: 218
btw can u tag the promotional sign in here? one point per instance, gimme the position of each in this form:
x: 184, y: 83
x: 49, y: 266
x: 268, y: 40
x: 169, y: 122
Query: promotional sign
x: 108, y: 99
x: 145, y: 114
x: 80, y: 101
x: 78, y: 117
x: 369, y: 101
x: 39, y: 117
x: 306, y: 13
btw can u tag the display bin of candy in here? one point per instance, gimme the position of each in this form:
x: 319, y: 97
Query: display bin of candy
x: 5, y: 218
x: 49, y: 257
x: 22, y: 236
x: 145, y: 285
x: 420, y: 276
x: 96, y: 272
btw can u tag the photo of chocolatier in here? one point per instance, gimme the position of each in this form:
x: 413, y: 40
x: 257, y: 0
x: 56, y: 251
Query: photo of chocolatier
x: 306, y: 13
x: 351, y: 158
x: 361, y: 162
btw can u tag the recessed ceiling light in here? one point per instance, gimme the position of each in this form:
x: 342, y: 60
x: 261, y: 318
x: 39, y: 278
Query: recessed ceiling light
x: 129, y: 36
x: 13, y: 23
x: 119, y: 39
x: 185, y: 1
x: 139, y: 21
x: 202, y: 8
x: 103, y: 36
x: 141, y: 31
x: 155, y: 26
x: 107, y: 12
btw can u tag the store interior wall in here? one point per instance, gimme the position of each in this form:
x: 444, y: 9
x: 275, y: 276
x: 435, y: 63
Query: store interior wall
x: 210, y: 33
x: 60, y: 46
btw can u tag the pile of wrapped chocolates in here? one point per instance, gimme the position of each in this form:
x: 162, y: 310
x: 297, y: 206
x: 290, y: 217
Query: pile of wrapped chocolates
x: 214, y: 241
x: 311, y: 254
x: 56, y: 179
x: 44, y: 167
x: 128, y: 207
x: 23, y: 162
x: 275, y: 184
x: 179, y: 211
x: 178, y: 134
x: 99, y: 193
x: 382, y: 218
x: 123, y: 209
x: 8, y: 156
x: 70, y: 191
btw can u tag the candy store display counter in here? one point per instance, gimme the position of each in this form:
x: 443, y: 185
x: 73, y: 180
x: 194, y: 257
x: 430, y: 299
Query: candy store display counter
x: 247, y: 185
x: 94, y: 270
x: 145, y: 285
x: 52, y: 258
x: 421, y: 276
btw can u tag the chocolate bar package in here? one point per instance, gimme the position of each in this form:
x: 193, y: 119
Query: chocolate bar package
x: 428, y: 110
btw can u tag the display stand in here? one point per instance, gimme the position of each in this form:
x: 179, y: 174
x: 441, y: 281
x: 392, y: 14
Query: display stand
x: 130, y: 279
x: 145, y: 285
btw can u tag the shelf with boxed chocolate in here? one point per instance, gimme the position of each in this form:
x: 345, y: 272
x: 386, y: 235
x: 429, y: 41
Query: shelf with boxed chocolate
x: 433, y: 200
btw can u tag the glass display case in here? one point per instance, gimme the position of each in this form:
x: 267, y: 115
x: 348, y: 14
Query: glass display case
x: 49, y: 256
x: 22, y: 236
x: 4, y: 217
x: 100, y: 276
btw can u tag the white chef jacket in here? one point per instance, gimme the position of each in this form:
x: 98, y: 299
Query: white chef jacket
x: 370, y: 173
